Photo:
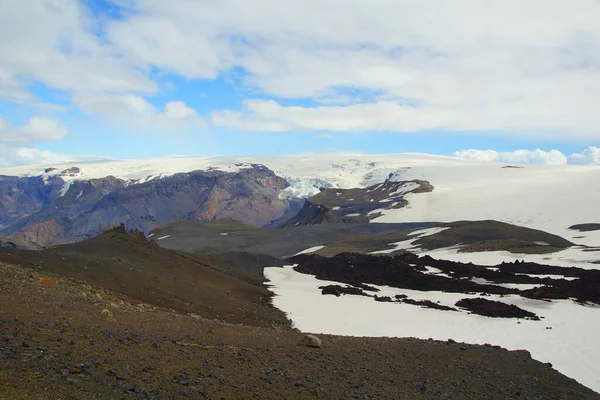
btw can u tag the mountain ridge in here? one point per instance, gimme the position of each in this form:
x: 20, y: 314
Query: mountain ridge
x: 50, y: 210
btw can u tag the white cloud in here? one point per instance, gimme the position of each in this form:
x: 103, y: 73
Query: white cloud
x: 37, y: 129
x: 13, y: 156
x: 115, y: 105
x: 268, y: 115
x: 17, y: 143
x: 53, y: 42
x: 43, y: 129
x: 527, y: 67
x: 390, y: 116
x: 138, y: 111
x: 590, y: 156
x: 508, y: 65
x: 178, y: 110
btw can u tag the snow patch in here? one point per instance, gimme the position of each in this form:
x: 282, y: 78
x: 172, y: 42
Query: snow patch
x: 310, y: 250
x: 428, y: 232
x: 65, y: 188
x: 405, y: 188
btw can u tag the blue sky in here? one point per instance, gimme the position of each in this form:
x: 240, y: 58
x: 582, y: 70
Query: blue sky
x: 141, y: 78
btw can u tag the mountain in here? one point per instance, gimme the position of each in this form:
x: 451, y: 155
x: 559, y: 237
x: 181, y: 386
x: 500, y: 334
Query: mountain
x: 62, y: 208
x: 147, y: 193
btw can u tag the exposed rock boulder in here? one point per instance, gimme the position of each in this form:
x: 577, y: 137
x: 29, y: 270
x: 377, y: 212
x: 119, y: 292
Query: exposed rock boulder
x: 586, y: 227
x: 428, y: 304
x: 495, y: 309
x: 71, y: 171
x: 338, y: 290
x: 310, y: 341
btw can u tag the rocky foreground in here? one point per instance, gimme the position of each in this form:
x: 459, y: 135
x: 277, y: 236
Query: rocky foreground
x: 63, y: 339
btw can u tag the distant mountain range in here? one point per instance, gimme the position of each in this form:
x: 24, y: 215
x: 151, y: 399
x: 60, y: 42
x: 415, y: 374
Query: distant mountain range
x: 48, y: 210
x: 47, y: 205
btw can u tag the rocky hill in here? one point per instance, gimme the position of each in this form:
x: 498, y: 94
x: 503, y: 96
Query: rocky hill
x: 126, y: 262
x: 59, y: 208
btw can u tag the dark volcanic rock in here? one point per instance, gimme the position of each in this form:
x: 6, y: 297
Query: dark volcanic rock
x: 428, y: 304
x: 584, y: 289
x: 381, y: 270
x: 408, y: 271
x: 586, y: 227
x: 338, y: 290
x: 71, y: 171
x: 495, y: 309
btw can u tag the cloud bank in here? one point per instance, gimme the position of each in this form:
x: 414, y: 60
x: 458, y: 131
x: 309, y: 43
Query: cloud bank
x: 590, y: 156
x: 527, y: 68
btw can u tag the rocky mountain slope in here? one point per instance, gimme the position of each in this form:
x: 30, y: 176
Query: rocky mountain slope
x: 62, y: 208
x: 125, y: 262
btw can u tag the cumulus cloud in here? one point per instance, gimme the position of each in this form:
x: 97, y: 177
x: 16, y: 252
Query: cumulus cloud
x: 139, y: 111
x: 12, y: 156
x: 37, y: 129
x: 43, y: 129
x: 17, y: 143
x: 590, y: 156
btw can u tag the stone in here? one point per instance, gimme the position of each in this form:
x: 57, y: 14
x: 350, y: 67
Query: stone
x: 310, y: 341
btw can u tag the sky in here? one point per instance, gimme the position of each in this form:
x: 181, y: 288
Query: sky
x: 494, y: 80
